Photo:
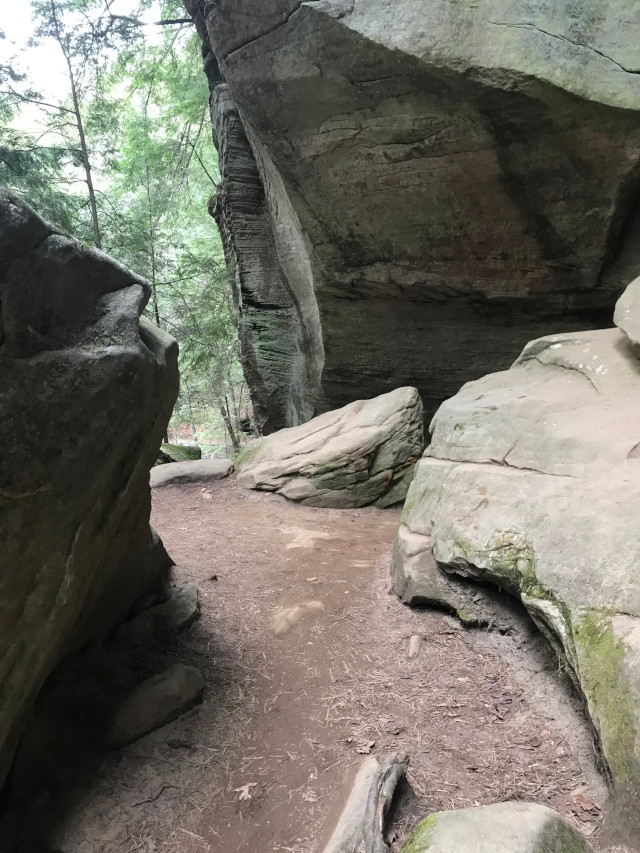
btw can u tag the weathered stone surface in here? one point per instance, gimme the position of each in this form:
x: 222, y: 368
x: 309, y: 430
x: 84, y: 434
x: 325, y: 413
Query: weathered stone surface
x: 361, y: 454
x: 86, y: 390
x: 178, y: 453
x: 627, y: 313
x: 198, y: 471
x: 532, y: 482
x: 154, y: 703
x: 175, y: 614
x: 411, y: 191
x: 500, y: 828
x: 179, y: 611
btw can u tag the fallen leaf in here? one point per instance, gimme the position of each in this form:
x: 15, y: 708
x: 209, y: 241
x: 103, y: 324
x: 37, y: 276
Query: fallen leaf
x: 365, y: 748
x: 243, y: 790
x: 309, y: 796
x: 585, y: 803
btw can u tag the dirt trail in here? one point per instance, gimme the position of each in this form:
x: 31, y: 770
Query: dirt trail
x: 265, y: 763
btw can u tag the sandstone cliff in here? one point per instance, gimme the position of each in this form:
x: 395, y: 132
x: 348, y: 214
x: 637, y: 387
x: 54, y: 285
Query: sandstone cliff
x: 409, y: 188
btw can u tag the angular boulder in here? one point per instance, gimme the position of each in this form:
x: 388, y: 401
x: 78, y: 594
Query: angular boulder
x: 361, y: 454
x: 86, y: 390
x: 532, y: 483
x: 410, y: 191
x: 500, y: 828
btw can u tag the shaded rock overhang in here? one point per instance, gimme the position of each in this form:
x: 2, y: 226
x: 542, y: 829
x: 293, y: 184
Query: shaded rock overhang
x: 411, y: 191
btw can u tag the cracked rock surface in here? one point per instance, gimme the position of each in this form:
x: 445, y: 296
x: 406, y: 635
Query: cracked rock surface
x: 532, y: 483
x: 361, y: 454
x: 410, y: 191
x: 86, y: 389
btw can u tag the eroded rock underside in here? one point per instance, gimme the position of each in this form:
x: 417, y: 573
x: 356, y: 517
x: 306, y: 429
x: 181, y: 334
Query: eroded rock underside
x: 412, y: 190
x: 86, y: 390
x: 532, y: 483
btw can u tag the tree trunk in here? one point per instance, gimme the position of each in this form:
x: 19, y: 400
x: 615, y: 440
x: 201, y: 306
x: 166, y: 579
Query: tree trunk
x: 154, y: 292
x: 64, y: 47
x: 223, y: 408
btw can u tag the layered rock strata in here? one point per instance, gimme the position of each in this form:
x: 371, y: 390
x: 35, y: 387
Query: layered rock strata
x: 361, y: 454
x: 412, y: 190
x: 86, y: 390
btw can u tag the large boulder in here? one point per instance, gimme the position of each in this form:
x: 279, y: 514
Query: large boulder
x: 361, y: 454
x: 500, y: 828
x: 411, y: 190
x: 86, y: 390
x: 532, y: 483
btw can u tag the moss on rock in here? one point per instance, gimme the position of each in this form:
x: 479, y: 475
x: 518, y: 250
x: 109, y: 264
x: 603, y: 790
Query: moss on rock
x: 607, y: 689
x: 178, y: 453
x: 421, y: 837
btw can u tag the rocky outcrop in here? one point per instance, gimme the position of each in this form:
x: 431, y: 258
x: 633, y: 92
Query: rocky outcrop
x: 532, y: 483
x: 86, y: 390
x: 411, y: 191
x: 361, y: 454
x: 500, y: 828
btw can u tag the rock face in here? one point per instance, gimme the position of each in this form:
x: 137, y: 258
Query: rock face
x: 361, y: 454
x: 500, y: 828
x: 198, y: 471
x: 412, y: 190
x: 86, y: 390
x: 532, y: 482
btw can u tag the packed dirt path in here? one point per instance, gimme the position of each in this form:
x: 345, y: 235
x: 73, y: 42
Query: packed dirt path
x: 267, y: 760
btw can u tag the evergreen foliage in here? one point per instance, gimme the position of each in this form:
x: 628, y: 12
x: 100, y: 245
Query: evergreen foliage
x: 125, y: 161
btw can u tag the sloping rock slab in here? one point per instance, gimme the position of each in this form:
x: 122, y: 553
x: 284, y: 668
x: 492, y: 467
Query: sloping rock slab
x: 155, y: 702
x: 532, y: 482
x: 198, y: 471
x: 361, y: 454
x: 500, y: 828
x: 86, y: 389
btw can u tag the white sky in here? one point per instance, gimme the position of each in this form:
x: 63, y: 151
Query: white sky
x: 44, y: 65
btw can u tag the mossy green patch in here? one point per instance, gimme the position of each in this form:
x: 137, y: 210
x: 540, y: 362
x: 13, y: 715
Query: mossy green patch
x: 510, y: 560
x: 421, y: 837
x: 178, y: 453
x: 607, y: 689
x: 248, y: 454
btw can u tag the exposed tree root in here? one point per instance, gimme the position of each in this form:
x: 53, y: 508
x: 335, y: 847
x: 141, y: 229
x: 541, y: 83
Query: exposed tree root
x: 360, y: 828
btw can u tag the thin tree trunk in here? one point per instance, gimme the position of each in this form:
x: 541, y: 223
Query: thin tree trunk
x: 83, y: 142
x: 223, y: 408
x: 154, y: 291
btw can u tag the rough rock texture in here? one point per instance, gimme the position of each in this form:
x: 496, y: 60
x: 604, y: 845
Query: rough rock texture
x: 500, y: 828
x: 412, y: 190
x: 361, y: 454
x: 155, y: 702
x: 178, y: 453
x: 532, y: 482
x: 86, y: 390
x: 198, y: 471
